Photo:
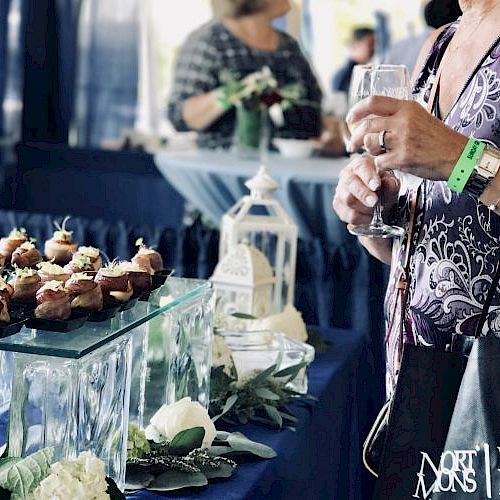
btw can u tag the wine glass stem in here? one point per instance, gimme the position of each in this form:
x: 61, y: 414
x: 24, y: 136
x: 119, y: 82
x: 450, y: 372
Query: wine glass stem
x: 377, y: 215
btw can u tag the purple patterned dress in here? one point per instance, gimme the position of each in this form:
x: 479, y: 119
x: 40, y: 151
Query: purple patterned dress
x: 457, y: 239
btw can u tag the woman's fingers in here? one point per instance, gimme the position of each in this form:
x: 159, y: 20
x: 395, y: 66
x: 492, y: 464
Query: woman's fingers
x: 368, y: 126
x: 374, y: 105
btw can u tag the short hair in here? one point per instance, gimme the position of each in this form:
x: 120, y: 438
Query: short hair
x: 360, y: 33
x: 237, y: 8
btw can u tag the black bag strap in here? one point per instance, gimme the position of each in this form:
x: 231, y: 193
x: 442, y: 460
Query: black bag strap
x: 488, y: 302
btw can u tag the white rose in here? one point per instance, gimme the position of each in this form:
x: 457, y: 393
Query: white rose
x: 289, y: 322
x: 185, y: 414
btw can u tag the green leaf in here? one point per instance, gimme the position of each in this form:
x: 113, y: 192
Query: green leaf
x: 186, y: 441
x: 240, y: 443
x: 176, y: 480
x: 291, y: 371
x: 243, y: 316
x: 3, y: 451
x: 21, y: 476
x: 224, y: 470
x: 230, y: 401
x: 287, y: 416
x: 264, y: 393
x: 264, y: 375
x: 137, y: 478
x: 113, y: 491
x: 217, y: 451
x: 274, y: 414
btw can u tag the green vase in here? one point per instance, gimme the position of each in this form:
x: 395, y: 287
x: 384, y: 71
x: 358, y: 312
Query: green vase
x: 251, y: 130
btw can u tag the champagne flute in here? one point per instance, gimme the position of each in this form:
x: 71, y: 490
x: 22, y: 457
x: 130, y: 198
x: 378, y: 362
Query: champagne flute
x: 386, y: 80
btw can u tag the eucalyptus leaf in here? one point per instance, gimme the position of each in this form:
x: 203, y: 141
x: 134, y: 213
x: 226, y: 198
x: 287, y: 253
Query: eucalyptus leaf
x: 175, y: 480
x: 224, y: 470
x: 22, y: 476
x: 137, y: 478
x: 239, y: 442
x: 243, y: 316
x: 287, y: 416
x: 274, y: 414
x: 218, y: 451
x: 264, y: 375
x: 264, y: 393
x: 222, y: 435
x: 291, y: 371
x: 230, y: 402
x: 186, y: 441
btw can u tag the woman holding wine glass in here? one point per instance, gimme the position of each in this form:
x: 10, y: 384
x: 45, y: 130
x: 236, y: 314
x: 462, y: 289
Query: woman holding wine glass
x: 451, y: 202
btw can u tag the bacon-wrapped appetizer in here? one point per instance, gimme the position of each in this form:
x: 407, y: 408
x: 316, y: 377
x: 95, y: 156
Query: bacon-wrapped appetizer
x: 15, y: 239
x: 139, y: 278
x: 147, y: 258
x: 53, y: 302
x: 4, y: 310
x: 60, y: 248
x: 84, y: 292
x: 93, y: 254
x: 78, y: 264
x: 6, y: 290
x: 49, y: 271
x: 26, y: 283
x: 26, y: 255
x: 114, y: 283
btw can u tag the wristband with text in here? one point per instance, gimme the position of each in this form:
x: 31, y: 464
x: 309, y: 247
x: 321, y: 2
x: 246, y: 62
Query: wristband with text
x: 465, y: 165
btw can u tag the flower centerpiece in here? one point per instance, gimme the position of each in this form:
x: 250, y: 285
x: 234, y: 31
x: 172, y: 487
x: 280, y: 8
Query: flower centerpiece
x: 256, y: 96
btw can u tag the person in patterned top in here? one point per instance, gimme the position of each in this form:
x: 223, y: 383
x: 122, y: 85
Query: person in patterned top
x: 456, y: 243
x: 243, y: 41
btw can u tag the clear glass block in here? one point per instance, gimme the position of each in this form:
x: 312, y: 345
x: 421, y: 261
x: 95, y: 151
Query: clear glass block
x: 258, y: 350
x: 73, y: 405
x: 179, y: 347
x: 5, y: 380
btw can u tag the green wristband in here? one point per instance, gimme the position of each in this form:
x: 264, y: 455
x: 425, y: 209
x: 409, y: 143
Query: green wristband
x: 222, y: 100
x: 465, y: 165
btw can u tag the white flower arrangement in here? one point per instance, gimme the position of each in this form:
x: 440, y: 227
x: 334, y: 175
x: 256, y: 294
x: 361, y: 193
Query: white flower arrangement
x: 80, y: 479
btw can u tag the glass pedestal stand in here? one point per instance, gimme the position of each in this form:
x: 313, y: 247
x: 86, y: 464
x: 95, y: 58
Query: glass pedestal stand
x: 71, y: 391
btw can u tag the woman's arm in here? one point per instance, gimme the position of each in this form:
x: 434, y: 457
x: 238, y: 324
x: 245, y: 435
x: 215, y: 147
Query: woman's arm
x: 200, y: 111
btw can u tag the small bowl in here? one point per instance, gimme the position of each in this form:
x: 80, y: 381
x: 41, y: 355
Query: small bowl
x: 295, y: 148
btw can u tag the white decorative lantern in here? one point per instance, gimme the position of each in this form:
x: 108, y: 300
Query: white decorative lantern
x: 243, y: 281
x: 262, y: 222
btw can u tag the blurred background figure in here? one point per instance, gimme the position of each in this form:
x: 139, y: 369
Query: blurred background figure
x: 361, y: 51
x: 241, y: 40
x: 437, y: 13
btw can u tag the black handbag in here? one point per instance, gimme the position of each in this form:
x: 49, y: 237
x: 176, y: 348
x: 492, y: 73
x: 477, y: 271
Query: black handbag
x: 445, y: 402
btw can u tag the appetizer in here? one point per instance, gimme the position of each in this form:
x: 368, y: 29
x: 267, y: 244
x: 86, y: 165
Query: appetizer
x: 26, y: 283
x: 49, y: 271
x: 147, y: 258
x: 26, y: 255
x: 15, y: 239
x: 78, y: 264
x: 93, y: 254
x: 114, y: 283
x: 84, y: 292
x: 6, y: 290
x: 52, y: 302
x: 60, y: 248
x: 139, y: 278
x: 4, y: 311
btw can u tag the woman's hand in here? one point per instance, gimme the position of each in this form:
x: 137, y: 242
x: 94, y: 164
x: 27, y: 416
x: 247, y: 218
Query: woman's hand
x: 356, y: 192
x: 416, y: 142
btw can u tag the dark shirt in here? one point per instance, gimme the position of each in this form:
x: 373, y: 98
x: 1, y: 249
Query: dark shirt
x: 342, y: 78
x: 213, y: 48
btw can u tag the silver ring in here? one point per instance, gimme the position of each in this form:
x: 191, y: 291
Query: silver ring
x: 381, y: 140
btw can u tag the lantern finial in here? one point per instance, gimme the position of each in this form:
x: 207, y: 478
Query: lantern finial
x: 262, y: 185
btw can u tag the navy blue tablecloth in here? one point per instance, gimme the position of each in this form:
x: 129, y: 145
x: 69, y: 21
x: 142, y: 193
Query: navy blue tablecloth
x: 322, y: 459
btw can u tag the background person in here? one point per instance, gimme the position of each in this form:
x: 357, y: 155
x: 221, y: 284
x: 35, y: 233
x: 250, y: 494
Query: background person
x: 361, y: 50
x: 242, y: 41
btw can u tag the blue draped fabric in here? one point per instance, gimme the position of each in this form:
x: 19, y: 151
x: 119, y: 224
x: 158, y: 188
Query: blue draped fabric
x: 107, y: 73
x: 4, y: 11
